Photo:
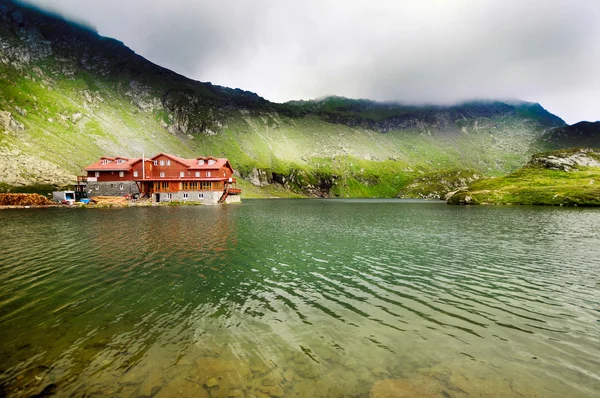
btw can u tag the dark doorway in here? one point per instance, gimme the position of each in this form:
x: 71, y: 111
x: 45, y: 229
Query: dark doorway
x: 158, y: 197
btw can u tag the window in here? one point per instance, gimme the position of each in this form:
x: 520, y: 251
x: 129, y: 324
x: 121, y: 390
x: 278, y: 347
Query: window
x: 224, y: 175
x: 120, y: 161
x: 181, y: 174
x: 105, y: 161
x: 185, y: 195
x: 200, y: 196
x: 211, y: 162
x: 135, y: 173
x: 168, y: 162
x: 165, y: 185
x: 200, y: 162
x: 97, y: 174
x: 169, y: 196
x: 189, y: 186
x: 206, y: 185
x: 208, y: 173
x: 156, y: 162
x: 121, y: 174
x: 162, y: 162
x: 162, y: 173
x: 97, y: 187
x: 120, y: 187
x: 197, y: 174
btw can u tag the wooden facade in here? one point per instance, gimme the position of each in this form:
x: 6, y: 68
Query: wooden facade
x: 164, y: 173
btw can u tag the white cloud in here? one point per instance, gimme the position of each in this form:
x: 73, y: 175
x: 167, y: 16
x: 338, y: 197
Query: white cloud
x: 413, y: 51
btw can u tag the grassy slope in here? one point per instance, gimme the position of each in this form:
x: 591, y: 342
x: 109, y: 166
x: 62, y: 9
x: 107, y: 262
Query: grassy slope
x: 536, y: 185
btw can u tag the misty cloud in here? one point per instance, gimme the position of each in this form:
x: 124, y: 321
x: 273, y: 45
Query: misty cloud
x: 427, y: 51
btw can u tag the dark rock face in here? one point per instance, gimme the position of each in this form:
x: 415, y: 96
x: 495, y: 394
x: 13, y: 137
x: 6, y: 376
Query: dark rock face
x: 582, y: 134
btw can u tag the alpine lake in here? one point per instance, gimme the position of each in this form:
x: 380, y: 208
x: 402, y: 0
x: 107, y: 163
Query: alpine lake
x: 301, y: 298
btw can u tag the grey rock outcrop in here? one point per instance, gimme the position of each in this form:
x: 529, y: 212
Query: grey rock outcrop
x: 258, y: 177
x: 8, y: 123
x: 567, y: 163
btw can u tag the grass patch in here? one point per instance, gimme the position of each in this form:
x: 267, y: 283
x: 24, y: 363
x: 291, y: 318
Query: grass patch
x: 538, y: 186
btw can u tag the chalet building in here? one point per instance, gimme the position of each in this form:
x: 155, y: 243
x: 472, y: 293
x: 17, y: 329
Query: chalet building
x: 163, y: 178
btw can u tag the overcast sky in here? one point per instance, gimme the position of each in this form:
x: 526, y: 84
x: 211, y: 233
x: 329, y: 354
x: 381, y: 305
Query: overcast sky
x: 413, y: 51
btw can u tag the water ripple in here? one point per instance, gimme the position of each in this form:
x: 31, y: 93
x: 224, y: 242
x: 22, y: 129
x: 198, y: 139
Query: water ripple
x: 99, y: 302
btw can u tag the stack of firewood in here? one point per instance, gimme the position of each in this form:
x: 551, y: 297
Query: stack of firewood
x: 23, y: 199
x: 109, y: 200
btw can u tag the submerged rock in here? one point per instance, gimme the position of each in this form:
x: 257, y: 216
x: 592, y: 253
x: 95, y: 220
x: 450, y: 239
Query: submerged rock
x: 212, y: 382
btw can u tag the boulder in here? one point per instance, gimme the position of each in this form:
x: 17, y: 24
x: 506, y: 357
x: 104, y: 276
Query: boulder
x: 5, y: 118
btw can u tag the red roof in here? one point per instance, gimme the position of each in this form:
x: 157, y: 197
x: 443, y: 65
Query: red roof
x: 192, y: 164
x: 118, y: 163
x: 218, y: 163
x: 172, y: 157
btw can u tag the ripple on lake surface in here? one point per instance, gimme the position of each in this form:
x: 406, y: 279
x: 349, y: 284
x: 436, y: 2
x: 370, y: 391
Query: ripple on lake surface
x: 323, y: 298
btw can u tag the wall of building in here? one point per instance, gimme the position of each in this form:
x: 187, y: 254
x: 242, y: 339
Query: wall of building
x: 114, y: 176
x: 112, y: 188
x: 207, y: 197
x: 233, y: 199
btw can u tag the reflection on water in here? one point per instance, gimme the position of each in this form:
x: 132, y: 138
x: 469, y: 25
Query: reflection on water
x: 300, y: 298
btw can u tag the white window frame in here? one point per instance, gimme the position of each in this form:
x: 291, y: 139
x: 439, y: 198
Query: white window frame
x: 208, y: 173
x: 211, y: 162
x: 162, y: 162
x: 185, y: 195
x: 200, y: 162
x: 162, y: 174
x: 97, y: 174
x: 168, y: 162
x: 121, y: 174
x: 169, y: 196
x: 156, y: 162
x: 197, y: 174
x: 97, y: 187
x: 135, y: 173
x: 120, y: 187
x: 181, y: 174
x: 200, y: 195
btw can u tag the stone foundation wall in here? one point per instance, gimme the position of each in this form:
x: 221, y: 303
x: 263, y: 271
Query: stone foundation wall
x: 130, y: 187
x: 233, y: 199
x: 111, y: 188
x: 207, y: 197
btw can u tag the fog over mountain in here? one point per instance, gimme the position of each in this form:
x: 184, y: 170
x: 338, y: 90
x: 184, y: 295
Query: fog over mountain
x: 410, y: 51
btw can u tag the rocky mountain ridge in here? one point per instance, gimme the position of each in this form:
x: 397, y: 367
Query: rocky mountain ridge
x: 68, y: 95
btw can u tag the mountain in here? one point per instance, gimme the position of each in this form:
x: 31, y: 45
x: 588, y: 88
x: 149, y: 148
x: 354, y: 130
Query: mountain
x: 69, y: 95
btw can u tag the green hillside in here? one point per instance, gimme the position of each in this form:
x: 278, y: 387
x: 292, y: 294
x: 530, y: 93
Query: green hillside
x: 564, y: 177
x: 68, y: 96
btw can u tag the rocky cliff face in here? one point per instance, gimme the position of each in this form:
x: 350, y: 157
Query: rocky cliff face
x: 582, y: 134
x: 68, y: 96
